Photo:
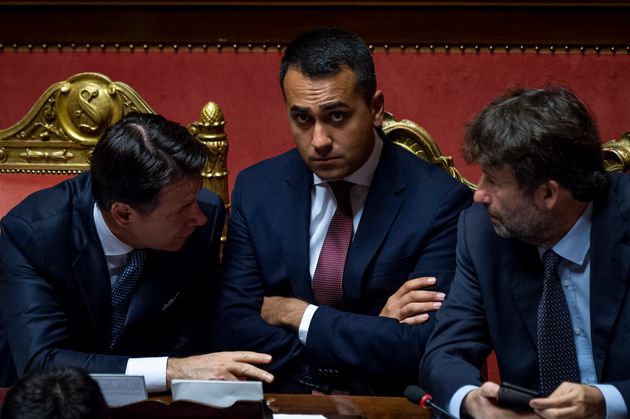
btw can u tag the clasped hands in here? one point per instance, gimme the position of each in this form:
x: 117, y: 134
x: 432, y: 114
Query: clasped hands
x: 409, y: 304
x: 569, y: 400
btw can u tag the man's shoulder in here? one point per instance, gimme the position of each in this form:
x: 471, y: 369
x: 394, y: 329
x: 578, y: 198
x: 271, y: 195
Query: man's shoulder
x: 277, y: 165
x: 51, y: 202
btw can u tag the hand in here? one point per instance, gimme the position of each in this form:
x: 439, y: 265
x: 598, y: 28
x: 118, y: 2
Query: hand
x: 410, y: 305
x: 219, y: 366
x: 571, y: 400
x: 481, y: 403
x: 283, y: 311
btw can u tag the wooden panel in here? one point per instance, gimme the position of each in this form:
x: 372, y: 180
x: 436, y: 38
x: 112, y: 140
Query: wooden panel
x: 270, y: 23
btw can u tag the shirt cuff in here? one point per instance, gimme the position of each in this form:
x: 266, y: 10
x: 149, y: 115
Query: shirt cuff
x: 153, y: 370
x: 615, y: 405
x: 305, y: 323
x: 455, y: 405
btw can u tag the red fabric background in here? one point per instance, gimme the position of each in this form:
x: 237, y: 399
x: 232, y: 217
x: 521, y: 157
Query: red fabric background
x: 439, y: 90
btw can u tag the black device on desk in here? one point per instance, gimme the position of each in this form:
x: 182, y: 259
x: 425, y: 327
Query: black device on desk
x: 514, y: 397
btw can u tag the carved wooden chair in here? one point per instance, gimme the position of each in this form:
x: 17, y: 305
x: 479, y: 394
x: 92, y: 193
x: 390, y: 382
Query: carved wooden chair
x: 413, y: 138
x: 58, y: 134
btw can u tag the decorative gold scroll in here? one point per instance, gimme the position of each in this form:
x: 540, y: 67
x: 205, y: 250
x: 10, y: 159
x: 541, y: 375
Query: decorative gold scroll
x: 58, y: 134
x: 413, y: 138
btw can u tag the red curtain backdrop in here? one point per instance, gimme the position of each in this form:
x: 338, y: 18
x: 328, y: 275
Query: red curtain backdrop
x: 440, y: 90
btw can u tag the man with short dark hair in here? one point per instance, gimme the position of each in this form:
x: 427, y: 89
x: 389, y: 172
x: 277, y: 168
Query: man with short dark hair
x: 543, y: 268
x: 68, y: 393
x: 113, y: 271
x: 331, y: 245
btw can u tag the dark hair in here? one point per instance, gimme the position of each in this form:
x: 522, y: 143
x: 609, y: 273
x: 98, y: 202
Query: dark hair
x: 57, y: 394
x: 322, y: 53
x: 540, y: 134
x: 138, y: 156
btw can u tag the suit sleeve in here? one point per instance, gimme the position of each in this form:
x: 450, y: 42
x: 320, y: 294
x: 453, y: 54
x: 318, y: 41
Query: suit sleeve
x: 238, y: 324
x: 362, y: 343
x: 31, y: 310
x: 460, y: 342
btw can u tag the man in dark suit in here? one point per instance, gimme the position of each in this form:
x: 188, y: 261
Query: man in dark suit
x: 112, y: 271
x: 334, y: 315
x: 544, y: 201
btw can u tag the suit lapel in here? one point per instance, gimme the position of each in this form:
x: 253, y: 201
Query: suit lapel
x: 156, y: 289
x: 523, y: 266
x: 90, y: 267
x: 384, y: 200
x: 610, y: 271
x: 294, y: 203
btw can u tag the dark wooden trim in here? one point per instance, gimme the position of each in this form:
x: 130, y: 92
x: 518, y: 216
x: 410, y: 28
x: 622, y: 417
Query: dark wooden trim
x: 497, y: 23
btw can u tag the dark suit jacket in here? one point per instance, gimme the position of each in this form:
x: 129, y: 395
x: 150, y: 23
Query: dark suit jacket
x: 495, y: 295
x: 407, y: 230
x: 55, y: 288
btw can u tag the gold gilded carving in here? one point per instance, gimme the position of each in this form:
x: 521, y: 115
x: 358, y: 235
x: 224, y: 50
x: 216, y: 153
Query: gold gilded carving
x: 209, y: 130
x: 58, y: 134
x: 617, y: 154
x: 31, y: 155
x: 413, y: 138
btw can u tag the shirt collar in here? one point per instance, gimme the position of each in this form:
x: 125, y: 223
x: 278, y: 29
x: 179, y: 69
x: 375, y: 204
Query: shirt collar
x: 364, y: 174
x: 112, y: 246
x: 574, y: 246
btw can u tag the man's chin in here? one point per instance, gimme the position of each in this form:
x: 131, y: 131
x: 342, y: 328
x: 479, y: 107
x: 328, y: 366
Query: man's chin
x: 502, y: 231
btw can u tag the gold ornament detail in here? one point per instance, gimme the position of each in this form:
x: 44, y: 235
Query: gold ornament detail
x: 209, y: 130
x: 617, y: 154
x: 413, y: 138
x: 58, y: 134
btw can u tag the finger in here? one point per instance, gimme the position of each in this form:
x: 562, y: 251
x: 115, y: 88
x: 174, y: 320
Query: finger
x: 414, y: 309
x: 489, y: 390
x: 566, y: 412
x: 424, y: 296
x: 555, y: 400
x: 420, y: 282
x: 251, y: 357
x: 419, y: 319
x: 250, y: 371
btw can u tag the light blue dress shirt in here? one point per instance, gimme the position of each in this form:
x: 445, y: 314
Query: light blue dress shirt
x: 574, y: 272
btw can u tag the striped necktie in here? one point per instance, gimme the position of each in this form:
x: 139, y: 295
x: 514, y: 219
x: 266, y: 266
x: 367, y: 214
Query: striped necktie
x: 328, y: 276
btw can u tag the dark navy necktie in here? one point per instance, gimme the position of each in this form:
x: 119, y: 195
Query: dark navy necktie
x: 121, y: 295
x: 557, y: 357
x: 328, y: 276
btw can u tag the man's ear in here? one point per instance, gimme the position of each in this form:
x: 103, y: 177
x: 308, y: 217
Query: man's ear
x: 548, y: 194
x: 378, y: 108
x: 121, y: 213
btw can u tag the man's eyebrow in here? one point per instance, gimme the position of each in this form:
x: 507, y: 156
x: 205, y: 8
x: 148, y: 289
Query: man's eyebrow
x: 333, y: 105
x: 299, y: 109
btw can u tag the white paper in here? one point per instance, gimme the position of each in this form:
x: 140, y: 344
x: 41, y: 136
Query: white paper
x: 217, y: 393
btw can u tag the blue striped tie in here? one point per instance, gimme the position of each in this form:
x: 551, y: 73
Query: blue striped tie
x: 121, y: 295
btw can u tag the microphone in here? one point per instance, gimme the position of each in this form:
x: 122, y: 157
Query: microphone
x: 417, y: 395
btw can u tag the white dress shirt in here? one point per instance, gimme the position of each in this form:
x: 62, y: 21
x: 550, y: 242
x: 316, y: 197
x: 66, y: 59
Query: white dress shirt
x: 116, y: 254
x: 323, y: 206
